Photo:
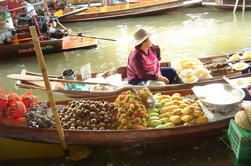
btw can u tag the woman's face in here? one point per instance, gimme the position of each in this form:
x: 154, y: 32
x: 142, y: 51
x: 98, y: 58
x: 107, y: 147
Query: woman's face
x: 148, y: 43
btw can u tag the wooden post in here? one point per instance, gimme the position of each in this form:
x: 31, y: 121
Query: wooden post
x: 235, y: 6
x: 41, y: 61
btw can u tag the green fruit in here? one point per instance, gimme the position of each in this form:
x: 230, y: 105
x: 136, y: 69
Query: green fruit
x: 153, y: 114
x: 155, y: 123
x: 153, y: 110
x: 160, y: 126
x: 165, y: 120
x: 153, y: 118
x: 158, y: 105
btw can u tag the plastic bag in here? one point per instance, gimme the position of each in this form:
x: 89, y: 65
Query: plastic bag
x: 85, y: 71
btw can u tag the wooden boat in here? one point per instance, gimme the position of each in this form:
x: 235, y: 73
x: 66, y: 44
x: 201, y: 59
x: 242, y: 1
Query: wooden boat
x: 128, y: 10
x: 226, y: 4
x: 24, y: 46
x: 117, y: 137
x: 59, y: 86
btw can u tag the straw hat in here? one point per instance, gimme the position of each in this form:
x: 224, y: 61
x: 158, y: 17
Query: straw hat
x: 139, y: 36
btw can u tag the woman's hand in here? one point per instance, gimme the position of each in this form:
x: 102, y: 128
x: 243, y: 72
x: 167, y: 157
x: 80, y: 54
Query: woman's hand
x: 163, y: 79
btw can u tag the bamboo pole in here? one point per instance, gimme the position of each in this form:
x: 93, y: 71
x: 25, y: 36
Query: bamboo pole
x: 42, y: 65
x: 235, y: 6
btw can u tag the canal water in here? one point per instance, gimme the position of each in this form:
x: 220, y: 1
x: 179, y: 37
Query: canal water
x: 184, y: 33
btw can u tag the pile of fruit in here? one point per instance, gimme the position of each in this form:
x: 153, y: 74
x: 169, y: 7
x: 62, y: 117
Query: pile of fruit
x: 191, y: 70
x: 14, y: 107
x: 132, y: 113
x: 174, y: 111
x: 219, y: 69
x: 88, y: 115
x: 40, y: 116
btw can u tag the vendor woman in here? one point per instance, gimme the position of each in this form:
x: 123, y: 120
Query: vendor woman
x: 144, y: 63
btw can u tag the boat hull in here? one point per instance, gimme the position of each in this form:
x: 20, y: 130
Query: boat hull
x: 47, y: 46
x: 117, y: 137
x: 132, y: 12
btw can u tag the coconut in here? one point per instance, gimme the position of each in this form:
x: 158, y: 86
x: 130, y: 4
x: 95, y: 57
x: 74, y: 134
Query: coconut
x: 241, y: 119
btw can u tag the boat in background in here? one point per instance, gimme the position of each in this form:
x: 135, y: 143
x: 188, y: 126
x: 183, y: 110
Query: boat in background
x: 139, y: 8
x: 59, y: 87
x: 226, y: 4
x: 23, y: 45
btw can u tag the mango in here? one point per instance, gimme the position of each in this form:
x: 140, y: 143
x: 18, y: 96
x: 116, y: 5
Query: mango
x: 160, y: 126
x: 187, y: 118
x: 177, y: 112
x: 187, y: 110
x: 155, y: 123
x: 158, y: 105
x: 169, y: 124
x: 175, y: 119
x: 201, y: 119
x: 153, y: 118
x: 153, y: 114
x: 153, y: 110
x: 187, y: 124
x: 165, y: 120
x: 197, y: 113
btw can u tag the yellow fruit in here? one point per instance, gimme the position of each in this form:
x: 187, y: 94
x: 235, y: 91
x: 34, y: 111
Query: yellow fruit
x: 187, y: 124
x: 187, y: 110
x: 167, y: 114
x: 169, y: 124
x: 201, y: 119
x: 183, y: 105
x: 176, y: 95
x: 169, y: 104
x: 168, y: 109
x: 165, y: 101
x: 197, y: 113
x: 177, y: 98
x: 177, y: 112
x: 187, y: 118
x: 175, y: 119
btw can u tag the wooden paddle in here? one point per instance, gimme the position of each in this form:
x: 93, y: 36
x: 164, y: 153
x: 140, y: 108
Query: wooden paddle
x: 95, y: 37
x: 37, y: 78
x: 42, y: 65
x: 81, y: 34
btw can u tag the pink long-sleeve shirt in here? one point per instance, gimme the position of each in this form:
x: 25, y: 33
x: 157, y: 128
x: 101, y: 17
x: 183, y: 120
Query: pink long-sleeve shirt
x: 143, y: 66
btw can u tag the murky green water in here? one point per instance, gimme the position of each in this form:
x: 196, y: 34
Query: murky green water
x: 192, y: 32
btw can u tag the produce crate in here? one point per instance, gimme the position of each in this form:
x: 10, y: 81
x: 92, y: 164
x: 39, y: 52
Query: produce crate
x: 240, y: 141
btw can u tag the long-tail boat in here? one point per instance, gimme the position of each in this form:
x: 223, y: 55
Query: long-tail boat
x: 117, y: 137
x: 141, y: 8
x: 59, y: 86
x: 23, y: 45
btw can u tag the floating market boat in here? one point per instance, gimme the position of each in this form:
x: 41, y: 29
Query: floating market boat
x: 127, y: 10
x: 23, y: 45
x: 226, y: 4
x: 117, y: 137
x: 59, y: 87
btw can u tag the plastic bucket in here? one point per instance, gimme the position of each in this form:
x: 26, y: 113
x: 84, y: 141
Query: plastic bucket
x: 69, y: 74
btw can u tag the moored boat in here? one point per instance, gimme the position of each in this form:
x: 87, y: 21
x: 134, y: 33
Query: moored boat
x: 24, y: 46
x: 59, y: 87
x: 117, y: 137
x: 226, y: 4
x: 128, y: 10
